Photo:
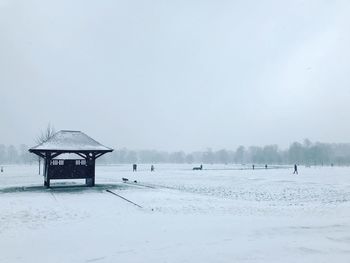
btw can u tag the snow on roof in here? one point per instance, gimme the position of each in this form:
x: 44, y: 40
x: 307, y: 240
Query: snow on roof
x: 70, y: 141
x: 68, y: 156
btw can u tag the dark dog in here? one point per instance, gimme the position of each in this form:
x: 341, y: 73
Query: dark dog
x: 198, y: 168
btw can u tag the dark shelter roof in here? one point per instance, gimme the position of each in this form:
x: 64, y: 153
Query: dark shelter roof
x: 70, y: 141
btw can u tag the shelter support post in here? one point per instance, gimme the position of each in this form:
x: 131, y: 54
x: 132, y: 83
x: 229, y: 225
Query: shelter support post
x: 46, y: 170
x: 91, y: 180
x: 47, y: 183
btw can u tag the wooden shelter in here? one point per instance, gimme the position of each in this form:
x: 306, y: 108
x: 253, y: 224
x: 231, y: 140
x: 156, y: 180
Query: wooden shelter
x: 70, y: 155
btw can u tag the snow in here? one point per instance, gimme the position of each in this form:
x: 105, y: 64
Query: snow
x: 71, y: 141
x: 68, y: 156
x: 186, y: 216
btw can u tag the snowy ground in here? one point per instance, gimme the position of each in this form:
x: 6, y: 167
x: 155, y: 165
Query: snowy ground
x: 186, y: 216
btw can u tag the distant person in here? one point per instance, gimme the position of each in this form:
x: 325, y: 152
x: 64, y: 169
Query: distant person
x: 2, y: 169
x: 134, y: 167
x: 152, y: 168
x: 265, y: 166
x: 253, y: 166
x: 295, y: 169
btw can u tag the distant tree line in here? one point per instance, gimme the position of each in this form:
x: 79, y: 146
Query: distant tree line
x: 306, y: 153
x: 11, y: 154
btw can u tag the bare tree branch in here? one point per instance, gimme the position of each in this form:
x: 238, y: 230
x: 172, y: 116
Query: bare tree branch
x: 46, y: 134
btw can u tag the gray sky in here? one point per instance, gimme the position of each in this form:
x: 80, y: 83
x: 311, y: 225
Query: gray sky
x: 176, y: 74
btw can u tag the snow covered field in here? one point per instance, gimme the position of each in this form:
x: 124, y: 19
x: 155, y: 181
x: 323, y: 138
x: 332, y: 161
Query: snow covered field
x: 186, y: 216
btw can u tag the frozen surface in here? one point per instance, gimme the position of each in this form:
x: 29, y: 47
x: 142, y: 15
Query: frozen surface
x: 186, y: 216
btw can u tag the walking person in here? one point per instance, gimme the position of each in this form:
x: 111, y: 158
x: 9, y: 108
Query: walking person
x: 295, y: 169
x: 152, y: 168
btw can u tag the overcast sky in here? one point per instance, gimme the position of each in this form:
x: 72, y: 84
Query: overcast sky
x: 176, y: 74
